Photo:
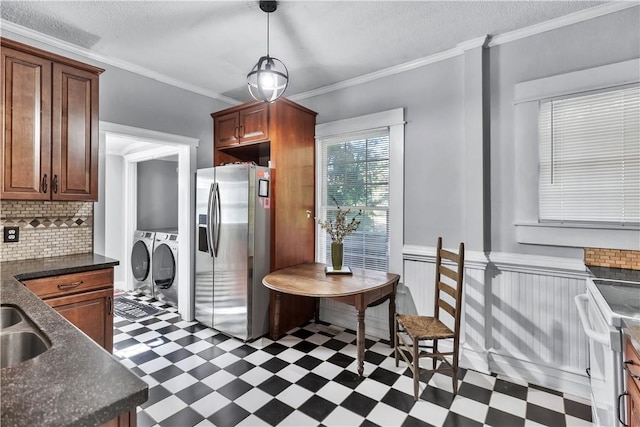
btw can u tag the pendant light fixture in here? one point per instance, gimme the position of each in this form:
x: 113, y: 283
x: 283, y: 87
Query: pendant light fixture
x: 269, y: 78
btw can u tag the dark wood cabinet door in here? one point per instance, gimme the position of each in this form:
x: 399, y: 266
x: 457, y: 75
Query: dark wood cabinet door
x: 26, y: 138
x: 254, y: 123
x: 91, y: 312
x: 128, y: 419
x: 225, y: 130
x: 75, y: 134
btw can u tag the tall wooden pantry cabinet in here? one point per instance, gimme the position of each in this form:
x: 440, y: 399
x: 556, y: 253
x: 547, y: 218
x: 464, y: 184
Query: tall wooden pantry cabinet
x: 279, y: 135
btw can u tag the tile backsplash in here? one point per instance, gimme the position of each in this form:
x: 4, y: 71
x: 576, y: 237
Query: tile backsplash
x: 617, y: 258
x: 47, y: 229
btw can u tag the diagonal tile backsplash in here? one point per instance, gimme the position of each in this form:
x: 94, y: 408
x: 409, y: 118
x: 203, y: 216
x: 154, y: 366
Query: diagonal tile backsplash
x: 47, y: 228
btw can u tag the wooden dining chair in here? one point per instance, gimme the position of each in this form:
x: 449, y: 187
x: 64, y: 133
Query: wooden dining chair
x: 410, y: 330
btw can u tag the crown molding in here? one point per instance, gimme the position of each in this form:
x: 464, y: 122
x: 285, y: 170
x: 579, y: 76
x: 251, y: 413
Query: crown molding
x: 396, y: 69
x: 89, y: 54
x: 474, y: 43
x: 485, y: 41
x: 390, y: 71
x: 562, y: 21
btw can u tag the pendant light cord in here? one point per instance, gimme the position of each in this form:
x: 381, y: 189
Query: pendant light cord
x: 268, y: 33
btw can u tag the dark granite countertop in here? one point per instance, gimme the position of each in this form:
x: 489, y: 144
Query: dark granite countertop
x: 610, y: 273
x: 75, y: 382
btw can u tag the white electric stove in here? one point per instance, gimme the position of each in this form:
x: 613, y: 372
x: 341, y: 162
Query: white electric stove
x: 612, y: 295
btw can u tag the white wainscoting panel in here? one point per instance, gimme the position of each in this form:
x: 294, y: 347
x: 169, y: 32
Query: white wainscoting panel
x: 376, y: 319
x: 519, y: 317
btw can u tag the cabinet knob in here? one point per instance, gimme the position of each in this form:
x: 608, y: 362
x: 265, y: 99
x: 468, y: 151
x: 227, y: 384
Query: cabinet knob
x: 54, y: 184
x: 44, y: 183
x: 308, y: 213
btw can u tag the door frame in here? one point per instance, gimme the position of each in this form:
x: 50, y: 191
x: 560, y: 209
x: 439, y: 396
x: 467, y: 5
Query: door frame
x: 166, y: 145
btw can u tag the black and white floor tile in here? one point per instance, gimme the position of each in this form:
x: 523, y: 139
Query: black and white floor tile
x: 199, y: 377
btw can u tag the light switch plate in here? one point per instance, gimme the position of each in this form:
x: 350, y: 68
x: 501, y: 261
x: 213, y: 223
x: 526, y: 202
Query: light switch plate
x: 11, y: 234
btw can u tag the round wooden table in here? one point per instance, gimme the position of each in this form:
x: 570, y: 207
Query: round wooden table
x: 361, y: 289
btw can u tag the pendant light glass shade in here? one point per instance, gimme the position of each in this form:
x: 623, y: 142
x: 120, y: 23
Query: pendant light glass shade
x: 269, y: 78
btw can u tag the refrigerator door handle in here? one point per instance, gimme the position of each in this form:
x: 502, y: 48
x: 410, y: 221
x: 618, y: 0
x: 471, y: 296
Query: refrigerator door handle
x: 209, y: 222
x: 218, y: 218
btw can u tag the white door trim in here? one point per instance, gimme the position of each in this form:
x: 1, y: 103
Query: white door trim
x: 185, y: 148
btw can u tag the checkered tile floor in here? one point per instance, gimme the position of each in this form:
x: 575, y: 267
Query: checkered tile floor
x: 199, y: 377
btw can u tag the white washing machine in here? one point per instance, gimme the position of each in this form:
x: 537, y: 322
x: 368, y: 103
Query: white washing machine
x: 141, y: 261
x: 165, y: 267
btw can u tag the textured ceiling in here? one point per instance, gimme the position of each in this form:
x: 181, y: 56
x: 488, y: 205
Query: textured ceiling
x: 212, y: 45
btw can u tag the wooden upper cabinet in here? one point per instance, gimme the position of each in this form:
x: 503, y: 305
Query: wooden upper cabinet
x: 241, y: 125
x: 226, y: 128
x: 50, y: 127
x: 254, y: 123
x: 75, y: 131
x: 26, y: 133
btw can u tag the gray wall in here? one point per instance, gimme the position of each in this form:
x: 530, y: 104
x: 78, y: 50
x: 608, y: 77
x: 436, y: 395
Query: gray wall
x: 433, y: 97
x: 604, y: 40
x: 130, y: 99
x: 157, y: 195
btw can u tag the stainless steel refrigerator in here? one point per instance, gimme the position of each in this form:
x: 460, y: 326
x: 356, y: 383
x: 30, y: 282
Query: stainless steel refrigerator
x: 232, y: 249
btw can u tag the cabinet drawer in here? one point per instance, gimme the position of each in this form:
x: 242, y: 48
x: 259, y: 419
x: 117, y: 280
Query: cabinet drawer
x: 67, y: 284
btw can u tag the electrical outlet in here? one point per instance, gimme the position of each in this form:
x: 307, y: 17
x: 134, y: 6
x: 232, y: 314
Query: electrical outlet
x: 11, y: 234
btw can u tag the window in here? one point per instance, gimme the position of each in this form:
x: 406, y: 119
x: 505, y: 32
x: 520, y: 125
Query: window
x: 360, y: 162
x: 590, y: 158
x: 355, y: 174
x: 577, y: 176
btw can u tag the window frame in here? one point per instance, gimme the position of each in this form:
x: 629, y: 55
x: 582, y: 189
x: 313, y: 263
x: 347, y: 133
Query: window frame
x: 528, y: 95
x: 394, y: 121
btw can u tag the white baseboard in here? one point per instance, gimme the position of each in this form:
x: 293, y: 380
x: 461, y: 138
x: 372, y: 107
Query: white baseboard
x: 474, y: 359
x: 560, y: 378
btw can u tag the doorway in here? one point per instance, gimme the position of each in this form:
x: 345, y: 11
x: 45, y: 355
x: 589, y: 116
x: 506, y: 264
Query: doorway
x: 122, y: 151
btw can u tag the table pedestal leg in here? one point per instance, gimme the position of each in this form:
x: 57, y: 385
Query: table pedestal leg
x: 275, y: 330
x: 360, y: 341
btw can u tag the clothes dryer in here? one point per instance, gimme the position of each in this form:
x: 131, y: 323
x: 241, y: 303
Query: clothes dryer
x: 165, y: 267
x: 141, y: 261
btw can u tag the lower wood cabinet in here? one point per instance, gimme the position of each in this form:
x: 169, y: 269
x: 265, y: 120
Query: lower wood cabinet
x: 85, y: 299
x: 632, y: 360
x: 128, y: 419
x: 91, y: 312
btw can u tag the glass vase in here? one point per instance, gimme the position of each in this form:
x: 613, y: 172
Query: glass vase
x: 336, y: 255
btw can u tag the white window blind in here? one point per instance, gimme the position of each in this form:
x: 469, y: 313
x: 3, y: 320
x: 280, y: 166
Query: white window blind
x: 590, y: 158
x: 355, y: 174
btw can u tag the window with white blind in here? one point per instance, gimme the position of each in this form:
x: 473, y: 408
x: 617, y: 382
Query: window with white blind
x: 355, y: 171
x: 589, y: 152
x: 577, y: 177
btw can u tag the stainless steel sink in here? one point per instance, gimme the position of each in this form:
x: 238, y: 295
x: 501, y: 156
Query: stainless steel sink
x: 9, y: 316
x: 20, y: 346
x: 20, y: 339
